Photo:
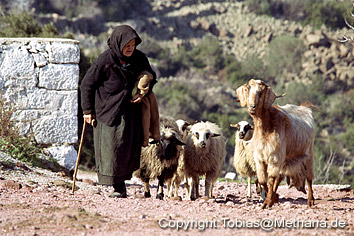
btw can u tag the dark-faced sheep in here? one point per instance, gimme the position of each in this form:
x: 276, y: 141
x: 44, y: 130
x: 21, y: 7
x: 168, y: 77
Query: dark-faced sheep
x: 179, y: 176
x: 161, y: 160
x: 283, y: 140
x: 204, y: 154
x: 243, y: 156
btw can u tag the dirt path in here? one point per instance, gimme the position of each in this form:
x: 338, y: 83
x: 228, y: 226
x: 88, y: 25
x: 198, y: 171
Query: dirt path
x: 44, y: 205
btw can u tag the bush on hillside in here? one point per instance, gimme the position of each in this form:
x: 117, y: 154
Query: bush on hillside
x: 308, y: 12
x: 238, y: 73
x: 25, y: 25
x: 284, y: 55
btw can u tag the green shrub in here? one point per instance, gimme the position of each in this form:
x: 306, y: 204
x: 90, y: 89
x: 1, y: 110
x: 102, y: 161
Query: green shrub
x: 179, y: 100
x: 166, y: 63
x: 284, y: 55
x: 208, y: 55
x: 241, y: 72
x: 118, y: 10
x: 308, y: 12
x: 11, y: 142
x: 329, y: 13
x: 25, y: 25
x: 260, y: 7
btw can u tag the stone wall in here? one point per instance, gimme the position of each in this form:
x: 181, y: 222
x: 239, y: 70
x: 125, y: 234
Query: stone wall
x: 41, y: 77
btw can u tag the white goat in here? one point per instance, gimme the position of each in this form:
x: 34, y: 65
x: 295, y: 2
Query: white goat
x: 283, y: 140
x: 243, y: 157
x: 204, y: 154
x: 161, y: 160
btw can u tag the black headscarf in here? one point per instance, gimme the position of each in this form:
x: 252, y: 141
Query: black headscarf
x: 120, y: 37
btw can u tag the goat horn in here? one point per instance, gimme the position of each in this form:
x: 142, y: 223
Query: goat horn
x: 280, y: 96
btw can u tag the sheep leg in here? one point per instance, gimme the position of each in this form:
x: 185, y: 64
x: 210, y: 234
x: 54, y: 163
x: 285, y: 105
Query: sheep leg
x: 249, y: 192
x: 147, y: 188
x: 260, y: 191
x: 170, y: 183
x: 211, y: 188
x: 160, y: 194
x: 187, y: 186
x: 310, y: 198
x: 196, y: 186
x: 258, y: 187
x: 207, y: 192
x: 193, y: 183
x: 177, y: 183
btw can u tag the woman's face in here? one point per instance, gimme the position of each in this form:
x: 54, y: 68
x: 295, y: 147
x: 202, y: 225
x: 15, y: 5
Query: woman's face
x: 128, y: 49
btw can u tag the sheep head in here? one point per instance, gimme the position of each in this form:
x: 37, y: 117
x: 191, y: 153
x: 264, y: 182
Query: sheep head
x: 168, y: 145
x: 201, y: 137
x: 256, y: 94
x: 244, y: 130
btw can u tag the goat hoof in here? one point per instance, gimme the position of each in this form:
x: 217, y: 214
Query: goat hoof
x: 147, y: 194
x: 267, y: 203
x: 310, y: 202
x: 159, y: 196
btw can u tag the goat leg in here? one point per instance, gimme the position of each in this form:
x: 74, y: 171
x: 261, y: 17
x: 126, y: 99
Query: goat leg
x: 275, y: 188
x: 310, y: 198
x: 269, y: 201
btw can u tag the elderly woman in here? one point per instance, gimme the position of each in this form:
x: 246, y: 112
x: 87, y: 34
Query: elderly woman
x: 106, y: 96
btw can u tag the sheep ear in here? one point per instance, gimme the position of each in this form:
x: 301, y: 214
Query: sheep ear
x: 235, y: 126
x: 242, y: 95
x: 269, y: 97
x: 179, y: 142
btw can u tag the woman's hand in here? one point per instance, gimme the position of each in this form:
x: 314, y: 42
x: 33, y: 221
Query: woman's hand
x: 89, y: 118
x: 137, y: 98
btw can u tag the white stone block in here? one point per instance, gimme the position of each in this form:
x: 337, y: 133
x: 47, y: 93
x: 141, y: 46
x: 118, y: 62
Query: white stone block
x: 17, y: 67
x: 60, y: 53
x: 40, y: 59
x: 65, y: 155
x: 51, y: 100
x: 56, y: 129
x: 59, y: 77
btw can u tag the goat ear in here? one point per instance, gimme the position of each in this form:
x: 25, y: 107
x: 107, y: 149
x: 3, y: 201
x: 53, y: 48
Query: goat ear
x: 242, y: 94
x: 214, y: 135
x: 269, y: 97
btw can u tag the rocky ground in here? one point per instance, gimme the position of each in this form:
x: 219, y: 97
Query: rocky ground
x: 36, y: 201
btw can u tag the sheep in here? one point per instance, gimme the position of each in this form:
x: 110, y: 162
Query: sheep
x: 160, y: 160
x: 179, y: 176
x: 283, y: 140
x: 204, y: 154
x: 243, y: 157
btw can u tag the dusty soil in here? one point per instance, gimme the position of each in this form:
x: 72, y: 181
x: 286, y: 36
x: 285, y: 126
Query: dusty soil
x: 35, y: 201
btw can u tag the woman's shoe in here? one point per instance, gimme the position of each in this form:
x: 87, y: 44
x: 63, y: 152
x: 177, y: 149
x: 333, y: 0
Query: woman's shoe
x: 118, y: 195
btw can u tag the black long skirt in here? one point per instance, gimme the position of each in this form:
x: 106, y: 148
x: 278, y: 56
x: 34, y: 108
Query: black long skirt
x: 118, y: 147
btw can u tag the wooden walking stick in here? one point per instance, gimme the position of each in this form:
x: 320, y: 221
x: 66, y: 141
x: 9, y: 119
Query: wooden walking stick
x: 79, y: 152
